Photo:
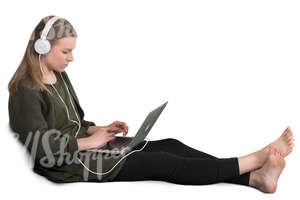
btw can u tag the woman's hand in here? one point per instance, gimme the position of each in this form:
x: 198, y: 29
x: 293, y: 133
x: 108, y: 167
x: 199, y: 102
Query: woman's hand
x: 121, y: 125
x: 100, y: 138
x: 106, y: 134
x: 92, y: 129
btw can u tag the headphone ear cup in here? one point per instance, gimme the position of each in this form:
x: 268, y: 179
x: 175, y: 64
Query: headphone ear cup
x: 42, y: 46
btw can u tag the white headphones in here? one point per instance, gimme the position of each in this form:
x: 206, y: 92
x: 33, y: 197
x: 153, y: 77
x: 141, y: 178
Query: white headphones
x: 43, y: 46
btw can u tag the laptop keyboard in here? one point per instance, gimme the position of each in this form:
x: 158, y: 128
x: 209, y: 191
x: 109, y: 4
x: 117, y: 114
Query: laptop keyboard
x: 119, y: 142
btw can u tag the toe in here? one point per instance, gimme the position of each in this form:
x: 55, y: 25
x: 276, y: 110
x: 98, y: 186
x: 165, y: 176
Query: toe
x: 285, y: 132
x: 289, y: 134
x: 290, y: 137
x: 292, y: 141
x: 293, y: 145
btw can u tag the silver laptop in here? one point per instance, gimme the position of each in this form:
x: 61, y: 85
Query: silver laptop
x: 123, y: 144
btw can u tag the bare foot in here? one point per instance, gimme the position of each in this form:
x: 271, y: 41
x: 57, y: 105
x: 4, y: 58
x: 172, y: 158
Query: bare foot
x: 265, y: 179
x: 285, y: 143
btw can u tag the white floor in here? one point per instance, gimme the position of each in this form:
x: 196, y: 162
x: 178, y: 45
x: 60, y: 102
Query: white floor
x: 19, y: 182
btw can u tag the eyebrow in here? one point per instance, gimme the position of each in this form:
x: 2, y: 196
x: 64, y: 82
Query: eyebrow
x: 68, y: 49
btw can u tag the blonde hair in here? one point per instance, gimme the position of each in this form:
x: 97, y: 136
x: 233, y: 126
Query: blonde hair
x: 28, y: 72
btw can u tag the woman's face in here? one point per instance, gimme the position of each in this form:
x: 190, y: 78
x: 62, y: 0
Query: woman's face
x: 60, y: 54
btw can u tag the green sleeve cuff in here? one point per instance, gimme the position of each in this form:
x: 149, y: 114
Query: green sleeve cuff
x: 87, y: 123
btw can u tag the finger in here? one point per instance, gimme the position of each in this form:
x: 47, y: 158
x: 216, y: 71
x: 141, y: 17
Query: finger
x: 125, y: 130
x: 120, y: 124
x: 123, y: 126
x: 124, y: 133
x: 114, y: 130
x: 115, y: 123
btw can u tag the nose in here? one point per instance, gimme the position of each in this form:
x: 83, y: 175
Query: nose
x: 70, y: 57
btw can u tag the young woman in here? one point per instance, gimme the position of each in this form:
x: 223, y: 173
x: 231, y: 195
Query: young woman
x: 42, y: 113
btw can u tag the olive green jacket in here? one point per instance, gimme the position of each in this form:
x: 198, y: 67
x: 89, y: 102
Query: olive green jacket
x: 41, y: 124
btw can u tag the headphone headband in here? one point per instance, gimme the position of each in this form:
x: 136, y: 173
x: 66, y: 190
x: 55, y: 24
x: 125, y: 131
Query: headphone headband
x: 42, y: 45
x: 48, y: 26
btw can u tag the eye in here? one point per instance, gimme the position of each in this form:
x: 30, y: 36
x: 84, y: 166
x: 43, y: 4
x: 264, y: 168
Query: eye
x: 65, y: 52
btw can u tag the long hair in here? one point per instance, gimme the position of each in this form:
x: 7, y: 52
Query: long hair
x: 28, y: 73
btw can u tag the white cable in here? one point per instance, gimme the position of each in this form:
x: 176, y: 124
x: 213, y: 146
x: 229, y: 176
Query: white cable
x: 79, y: 125
x: 40, y: 64
x: 116, y: 163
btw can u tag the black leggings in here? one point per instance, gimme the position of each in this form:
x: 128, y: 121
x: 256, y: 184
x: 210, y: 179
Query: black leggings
x: 172, y: 161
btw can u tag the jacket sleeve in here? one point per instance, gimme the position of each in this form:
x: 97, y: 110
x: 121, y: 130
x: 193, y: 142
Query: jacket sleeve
x: 26, y: 108
x: 87, y: 123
